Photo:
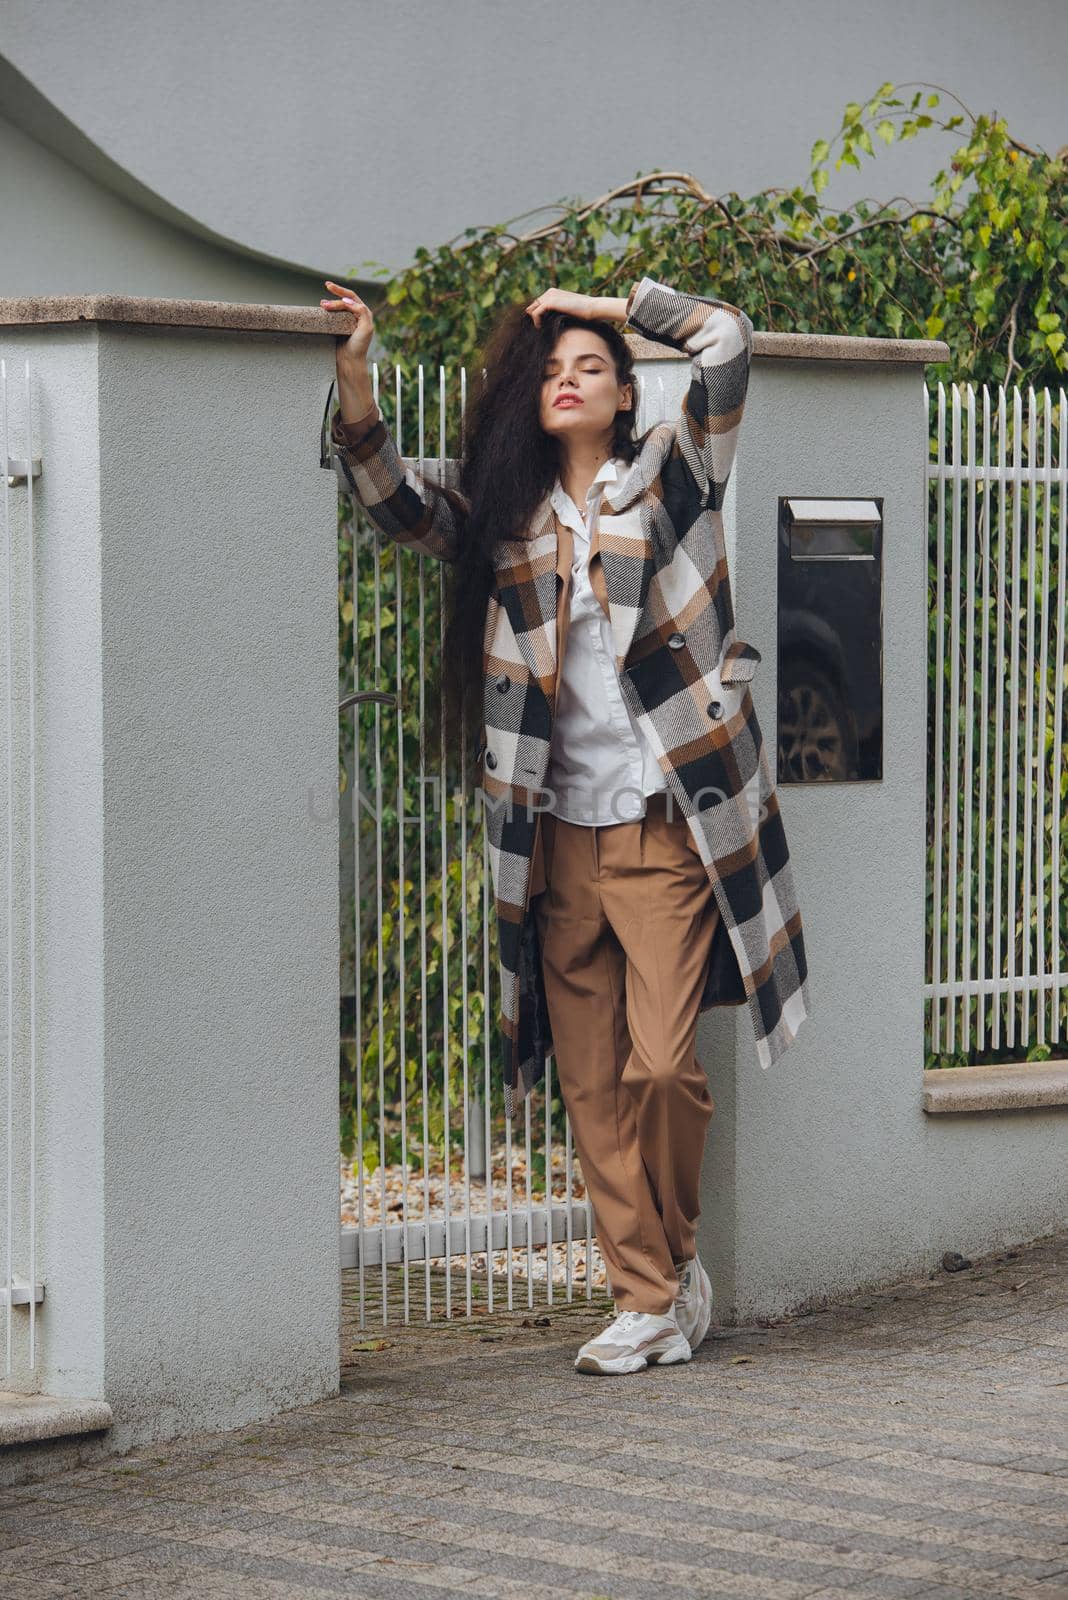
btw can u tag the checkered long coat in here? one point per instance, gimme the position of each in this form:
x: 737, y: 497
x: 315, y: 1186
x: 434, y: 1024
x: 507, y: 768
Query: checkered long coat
x: 684, y: 673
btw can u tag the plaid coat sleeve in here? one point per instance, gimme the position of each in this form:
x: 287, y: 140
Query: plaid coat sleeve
x: 719, y: 338
x: 370, y: 468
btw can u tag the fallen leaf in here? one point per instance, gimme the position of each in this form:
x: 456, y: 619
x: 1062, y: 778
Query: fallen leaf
x: 373, y: 1344
x: 736, y: 1361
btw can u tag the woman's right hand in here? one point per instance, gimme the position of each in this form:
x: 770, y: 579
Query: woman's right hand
x: 353, y: 348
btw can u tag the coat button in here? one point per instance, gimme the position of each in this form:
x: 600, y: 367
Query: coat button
x: 491, y: 760
x: 504, y: 683
x: 715, y: 708
x: 676, y: 641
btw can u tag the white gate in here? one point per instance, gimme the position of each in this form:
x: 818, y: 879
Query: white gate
x: 996, y: 847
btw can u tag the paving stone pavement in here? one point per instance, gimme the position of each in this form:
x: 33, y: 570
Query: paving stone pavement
x: 910, y: 1442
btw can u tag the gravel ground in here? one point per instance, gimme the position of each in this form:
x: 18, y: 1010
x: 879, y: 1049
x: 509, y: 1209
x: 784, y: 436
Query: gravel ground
x: 386, y: 1190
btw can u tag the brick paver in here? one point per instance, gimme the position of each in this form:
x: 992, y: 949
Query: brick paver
x: 911, y: 1442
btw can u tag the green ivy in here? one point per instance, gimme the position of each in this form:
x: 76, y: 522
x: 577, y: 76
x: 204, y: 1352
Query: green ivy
x: 982, y: 263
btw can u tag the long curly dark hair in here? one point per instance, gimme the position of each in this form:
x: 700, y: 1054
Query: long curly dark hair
x: 507, y: 467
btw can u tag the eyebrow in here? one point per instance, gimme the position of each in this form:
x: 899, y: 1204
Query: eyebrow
x: 584, y: 355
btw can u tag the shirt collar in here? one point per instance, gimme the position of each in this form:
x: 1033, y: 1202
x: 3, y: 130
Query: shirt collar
x: 610, y: 472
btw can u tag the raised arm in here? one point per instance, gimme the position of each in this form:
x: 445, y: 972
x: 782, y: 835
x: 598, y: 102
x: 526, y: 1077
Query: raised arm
x: 719, y: 337
x: 366, y: 460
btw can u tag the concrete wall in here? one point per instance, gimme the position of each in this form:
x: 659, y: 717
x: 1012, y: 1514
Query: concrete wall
x: 824, y: 1173
x: 188, y: 902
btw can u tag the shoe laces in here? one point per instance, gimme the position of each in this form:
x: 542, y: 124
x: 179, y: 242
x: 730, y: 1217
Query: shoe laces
x: 627, y: 1319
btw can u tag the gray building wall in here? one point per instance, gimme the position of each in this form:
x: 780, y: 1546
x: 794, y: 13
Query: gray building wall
x: 75, y: 220
x: 320, y: 140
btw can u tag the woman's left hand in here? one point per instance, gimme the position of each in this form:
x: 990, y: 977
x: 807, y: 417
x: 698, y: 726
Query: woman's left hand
x: 576, y: 305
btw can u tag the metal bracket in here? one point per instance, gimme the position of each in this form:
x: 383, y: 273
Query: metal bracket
x: 20, y: 1293
x: 17, y: 471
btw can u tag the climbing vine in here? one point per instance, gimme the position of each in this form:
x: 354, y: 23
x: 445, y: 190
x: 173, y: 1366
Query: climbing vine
x: 982, y: 263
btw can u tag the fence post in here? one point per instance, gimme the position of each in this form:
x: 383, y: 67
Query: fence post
x: 814, y: 1169
x: 187, y: 926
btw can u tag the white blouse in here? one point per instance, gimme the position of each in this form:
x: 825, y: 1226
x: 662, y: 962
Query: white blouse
x: 601, y: 766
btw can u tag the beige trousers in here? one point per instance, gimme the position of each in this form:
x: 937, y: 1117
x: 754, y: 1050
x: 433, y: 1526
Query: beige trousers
x: 626, y: 923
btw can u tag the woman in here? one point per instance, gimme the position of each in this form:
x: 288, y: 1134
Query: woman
x: 640, y: 868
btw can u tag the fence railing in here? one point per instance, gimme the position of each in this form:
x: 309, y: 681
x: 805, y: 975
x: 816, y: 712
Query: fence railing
x: 19, y: 1286
x: 997, y: 857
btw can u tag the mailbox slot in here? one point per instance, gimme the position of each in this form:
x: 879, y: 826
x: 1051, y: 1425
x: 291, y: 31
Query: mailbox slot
x: 830, y: 640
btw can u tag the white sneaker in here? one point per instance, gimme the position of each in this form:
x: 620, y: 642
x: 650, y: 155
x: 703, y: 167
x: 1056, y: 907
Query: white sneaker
x: 693, y: 1303
x: 632, y: 1341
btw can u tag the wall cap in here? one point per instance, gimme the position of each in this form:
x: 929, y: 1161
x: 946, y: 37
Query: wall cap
x: 996, y: 1088
x: 234, y: 316
x: 150, y: 311
x: 812, y: 347
x: 26, y: 1418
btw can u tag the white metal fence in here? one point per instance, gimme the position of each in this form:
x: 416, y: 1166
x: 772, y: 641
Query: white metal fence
x: 19, y: 1196
x: 997, y: 858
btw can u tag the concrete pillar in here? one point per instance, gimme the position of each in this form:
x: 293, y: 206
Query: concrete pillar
x: 187, y: 848
x: 825, y: 1186
x: 826, y: 1173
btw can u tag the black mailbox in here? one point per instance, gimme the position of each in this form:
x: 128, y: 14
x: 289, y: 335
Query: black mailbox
x: 830, y: 640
